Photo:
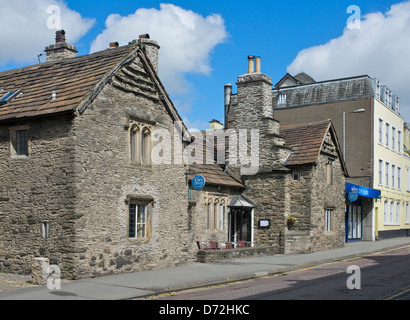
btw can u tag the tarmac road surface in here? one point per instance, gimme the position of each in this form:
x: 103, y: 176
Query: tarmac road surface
x: 381, y: 276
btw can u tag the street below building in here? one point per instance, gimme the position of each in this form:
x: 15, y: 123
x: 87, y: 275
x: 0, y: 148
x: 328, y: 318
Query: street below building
x: 381, y: 276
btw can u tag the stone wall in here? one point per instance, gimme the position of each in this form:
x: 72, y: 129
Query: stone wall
x: 38, y: 190
x: 268, y: 192
x: 213, y: 256
x: 310, y: 197
x: 78, y: 179
x: 198, y: 215
x: 105, y: 180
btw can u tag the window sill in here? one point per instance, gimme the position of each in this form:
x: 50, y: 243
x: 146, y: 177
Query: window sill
x: 19, y: 157
x: 140, y: 167
x: 138, y: 241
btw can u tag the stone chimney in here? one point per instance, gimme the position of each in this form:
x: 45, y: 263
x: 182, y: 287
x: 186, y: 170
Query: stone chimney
x: 61, y: 49
x: 151, y: 49
x: 254, y: 98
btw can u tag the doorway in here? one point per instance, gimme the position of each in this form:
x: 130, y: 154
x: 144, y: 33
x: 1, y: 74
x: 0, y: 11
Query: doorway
x: 354, y: 222
x: 240, y: 224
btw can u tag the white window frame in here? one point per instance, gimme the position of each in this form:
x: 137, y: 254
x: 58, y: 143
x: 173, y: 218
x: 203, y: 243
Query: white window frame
x: 398, y: 217
x: 399, y: 141
x: 139, y: 226
x: 393, y: 138
x: 393, y: 176
x: 380, y: 172
x: 386, y: 173
x: 387, y: 134
x: 408, y: 179
x: 391, y: 212
x: 328, y: 220
x: 386, y: 212
x: 399, y: 178
x: 381, y: 122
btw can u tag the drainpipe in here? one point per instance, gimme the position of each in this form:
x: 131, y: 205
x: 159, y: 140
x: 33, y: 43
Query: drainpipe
x: 227, y: 92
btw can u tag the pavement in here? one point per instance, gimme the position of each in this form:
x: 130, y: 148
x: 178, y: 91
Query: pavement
x: 139, y: 285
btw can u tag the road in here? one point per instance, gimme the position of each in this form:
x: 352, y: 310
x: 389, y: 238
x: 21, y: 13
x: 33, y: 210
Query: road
x: 381, y: 276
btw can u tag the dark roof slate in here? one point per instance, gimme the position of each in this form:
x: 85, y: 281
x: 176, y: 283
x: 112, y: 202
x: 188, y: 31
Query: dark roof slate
x: 71, y: 79
x: 306, y: 141
x: 324, y: 92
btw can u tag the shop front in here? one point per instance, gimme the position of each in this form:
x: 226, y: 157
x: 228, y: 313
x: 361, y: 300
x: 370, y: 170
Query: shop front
x: 359, y: 212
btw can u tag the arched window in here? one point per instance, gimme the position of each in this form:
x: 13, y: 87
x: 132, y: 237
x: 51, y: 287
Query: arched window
x: 139, y: 144
x: 145, y: 146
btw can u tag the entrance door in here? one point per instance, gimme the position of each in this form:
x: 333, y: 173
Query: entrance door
x: 354, y: 222
x: 240, y: 225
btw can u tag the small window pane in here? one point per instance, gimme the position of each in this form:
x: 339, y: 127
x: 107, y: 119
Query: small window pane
x: 131, y: 223
x: 22, y: 142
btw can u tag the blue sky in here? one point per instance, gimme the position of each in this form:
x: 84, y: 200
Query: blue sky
x: 278, y: 31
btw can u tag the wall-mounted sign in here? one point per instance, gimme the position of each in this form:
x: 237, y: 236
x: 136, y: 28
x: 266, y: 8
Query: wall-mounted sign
x: 362, y: 191
x: 264, y: 223
x: 198, y: 182
x: 352, y: 196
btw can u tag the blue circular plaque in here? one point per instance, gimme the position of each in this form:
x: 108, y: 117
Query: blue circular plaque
x: 198, y: 182
x: 352, y: 196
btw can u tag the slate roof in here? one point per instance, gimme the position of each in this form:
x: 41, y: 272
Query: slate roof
x: 71, y: 79
x: 299, y: 79
x: 214, y: 175
x: 77, y: 81
x: 306, y: 142
x: 337, y: 90
x: 213, y: 172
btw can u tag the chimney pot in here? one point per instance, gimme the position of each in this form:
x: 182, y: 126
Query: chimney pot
x: 258, y: 64
x: 114, y: 44
x: 60, y: 36
x: 144, y: 36
x: 61, y: 49
x: 251, y: 64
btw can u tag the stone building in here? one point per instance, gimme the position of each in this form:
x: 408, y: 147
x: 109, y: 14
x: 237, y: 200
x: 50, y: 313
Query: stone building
x: 92, y: 175
x: 366, y: 116
x: 78, y: 185
x: 301, y: 172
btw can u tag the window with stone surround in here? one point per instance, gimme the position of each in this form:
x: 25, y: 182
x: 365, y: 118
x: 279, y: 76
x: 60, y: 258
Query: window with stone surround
x: 19, y: 141
x: 216, y: 212
x: 328, y: 219
x: 139, y: 217
x: 329, y: 172
x: 140, y: 143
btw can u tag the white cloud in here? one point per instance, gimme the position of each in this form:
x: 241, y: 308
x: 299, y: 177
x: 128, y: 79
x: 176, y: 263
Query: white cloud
x: 380, y: 48
x: 196, y: 125
x: 24, y: 31
x: 185, y: 37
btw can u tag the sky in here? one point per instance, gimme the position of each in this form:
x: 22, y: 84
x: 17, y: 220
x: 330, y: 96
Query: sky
x: 205, y: 44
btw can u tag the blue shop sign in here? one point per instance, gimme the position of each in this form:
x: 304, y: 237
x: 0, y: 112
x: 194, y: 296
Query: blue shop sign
x: 198, y: 182
x: 362, y: 191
